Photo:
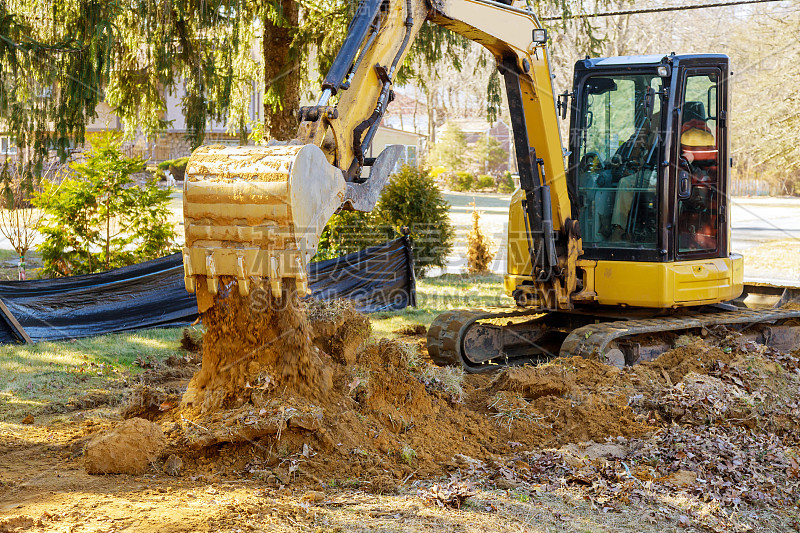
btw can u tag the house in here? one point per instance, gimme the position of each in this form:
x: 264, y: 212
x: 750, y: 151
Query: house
x: 386, y: 136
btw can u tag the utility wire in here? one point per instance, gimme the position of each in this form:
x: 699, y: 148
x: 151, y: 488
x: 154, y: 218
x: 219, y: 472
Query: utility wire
x: 658, y: 10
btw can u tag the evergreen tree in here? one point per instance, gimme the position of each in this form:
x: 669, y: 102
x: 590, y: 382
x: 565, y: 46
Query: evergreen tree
x: 451, y: 150
x: 99, y: 218
x: 488, y: 156
x: 56, y: 65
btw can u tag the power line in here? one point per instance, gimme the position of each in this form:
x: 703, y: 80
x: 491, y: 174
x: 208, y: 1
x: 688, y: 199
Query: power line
x: 658, y: 9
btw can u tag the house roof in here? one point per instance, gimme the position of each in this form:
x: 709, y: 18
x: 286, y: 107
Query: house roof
x: 405, y: 105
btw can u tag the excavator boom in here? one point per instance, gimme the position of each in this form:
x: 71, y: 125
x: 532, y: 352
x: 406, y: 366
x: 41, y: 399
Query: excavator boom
x: 256, y: 212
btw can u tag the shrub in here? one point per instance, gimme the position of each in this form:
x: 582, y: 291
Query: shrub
x: 487, y: 155
x: 411, y: 199
x: 479, y: 247
x: 485, y: 182
x: 100, y: 219
x: 506, y: 184
x: 351, y: 231
x: 461, y: 182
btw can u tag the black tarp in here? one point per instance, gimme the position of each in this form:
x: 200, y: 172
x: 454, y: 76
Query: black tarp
x: 152, y: 294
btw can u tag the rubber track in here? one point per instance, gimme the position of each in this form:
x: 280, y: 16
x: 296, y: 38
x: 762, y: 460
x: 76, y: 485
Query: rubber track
x: 595, y: 338
x: 447, y: 330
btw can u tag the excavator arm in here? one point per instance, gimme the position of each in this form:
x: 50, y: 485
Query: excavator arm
x: 256, y: 212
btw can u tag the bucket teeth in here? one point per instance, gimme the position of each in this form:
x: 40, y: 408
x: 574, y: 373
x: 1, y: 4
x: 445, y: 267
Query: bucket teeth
x: 244, y: 286
x: 211, y: 275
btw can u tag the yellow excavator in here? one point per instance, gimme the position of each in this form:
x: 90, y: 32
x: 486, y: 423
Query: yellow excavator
x: 615, y: 243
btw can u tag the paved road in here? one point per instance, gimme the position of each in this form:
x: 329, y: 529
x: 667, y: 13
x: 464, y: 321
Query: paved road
x: 753, y: 221
x: 757, y: 220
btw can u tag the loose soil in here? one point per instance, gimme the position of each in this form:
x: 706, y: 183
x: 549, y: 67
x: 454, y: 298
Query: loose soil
x: 296, y: 420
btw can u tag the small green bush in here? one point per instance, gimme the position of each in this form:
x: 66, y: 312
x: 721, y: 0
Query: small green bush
x: 506, y: 184
x: 411, y: 199
x: 485, y: 182
x: 351, y: 231
x: 462, y: 182
x: 179, y: 164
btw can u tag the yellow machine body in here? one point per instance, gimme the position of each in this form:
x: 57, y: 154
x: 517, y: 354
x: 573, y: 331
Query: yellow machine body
x: 629, y: 283
x: 255, y: 214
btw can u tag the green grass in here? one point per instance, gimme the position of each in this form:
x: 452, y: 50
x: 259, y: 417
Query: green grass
x: 49, y: 377
x: 443, y: 293
x: 45, y: 377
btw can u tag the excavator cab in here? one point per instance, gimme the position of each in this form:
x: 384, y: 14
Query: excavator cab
x: 649, y: 164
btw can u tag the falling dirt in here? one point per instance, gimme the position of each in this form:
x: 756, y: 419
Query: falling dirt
x: 252, y: 343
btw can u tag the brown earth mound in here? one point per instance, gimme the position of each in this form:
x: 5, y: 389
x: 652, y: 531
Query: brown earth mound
x: 128, y: 449
x: 295, y: 393
x: 568, y: 400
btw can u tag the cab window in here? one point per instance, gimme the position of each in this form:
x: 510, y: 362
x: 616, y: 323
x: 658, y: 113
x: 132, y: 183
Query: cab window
x: 618, y: 154
x: 698, y: 164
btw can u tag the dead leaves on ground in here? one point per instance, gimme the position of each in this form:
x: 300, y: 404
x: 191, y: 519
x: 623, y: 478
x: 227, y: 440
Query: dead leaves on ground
x: 451, y: 495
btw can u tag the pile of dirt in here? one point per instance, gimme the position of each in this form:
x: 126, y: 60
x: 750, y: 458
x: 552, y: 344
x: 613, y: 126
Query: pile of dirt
x: 128, y: 449
x: 670, y: 368
x: 296, y: 393
x: 567, y: 400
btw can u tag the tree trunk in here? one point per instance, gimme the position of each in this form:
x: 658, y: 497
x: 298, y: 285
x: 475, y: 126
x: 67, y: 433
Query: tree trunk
x: 431, y: 111
x: 281, y: 74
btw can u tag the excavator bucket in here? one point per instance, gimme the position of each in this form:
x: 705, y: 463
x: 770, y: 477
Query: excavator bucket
x: 255, y: 212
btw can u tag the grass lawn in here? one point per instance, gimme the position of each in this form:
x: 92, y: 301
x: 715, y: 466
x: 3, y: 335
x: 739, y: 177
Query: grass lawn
x: 53, y: 377
x: 443, y: 293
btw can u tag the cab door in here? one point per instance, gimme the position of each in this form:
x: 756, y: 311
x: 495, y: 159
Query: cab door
x: 701, y: 169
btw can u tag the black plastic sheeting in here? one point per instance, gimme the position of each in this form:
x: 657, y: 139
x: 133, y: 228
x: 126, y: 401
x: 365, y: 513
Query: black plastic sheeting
x: 152, y: 294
